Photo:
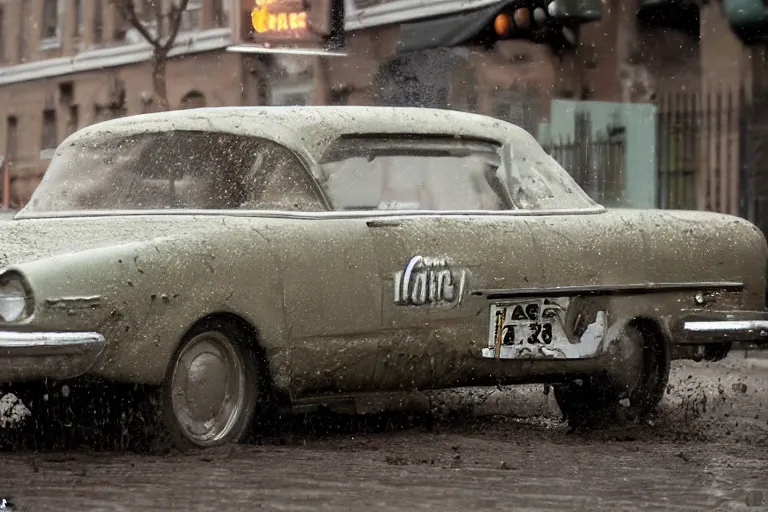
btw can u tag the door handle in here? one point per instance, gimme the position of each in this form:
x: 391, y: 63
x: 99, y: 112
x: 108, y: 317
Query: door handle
x: 382, y: 223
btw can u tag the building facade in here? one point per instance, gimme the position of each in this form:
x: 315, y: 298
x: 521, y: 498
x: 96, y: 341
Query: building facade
x: 65, y: 64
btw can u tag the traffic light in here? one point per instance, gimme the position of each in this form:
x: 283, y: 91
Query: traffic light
x: 748, y: 19
x: 552, y: 22
x: 555, y: 23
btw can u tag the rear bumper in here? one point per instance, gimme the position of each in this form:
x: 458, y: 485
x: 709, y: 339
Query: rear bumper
x: 26, y: 356
x: 723, y: 327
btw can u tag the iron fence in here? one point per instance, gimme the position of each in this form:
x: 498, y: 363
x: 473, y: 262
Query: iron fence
x: 697, y: 164
x: 713, y: 152
x: 753, y: 159
x: 595, y: 160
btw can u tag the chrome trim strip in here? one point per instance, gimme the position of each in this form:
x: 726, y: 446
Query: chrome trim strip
x: 49, y: 343
x: 610, y: 289
x: 727, y: 326
x: 281, y: 214
x: 28, y: 356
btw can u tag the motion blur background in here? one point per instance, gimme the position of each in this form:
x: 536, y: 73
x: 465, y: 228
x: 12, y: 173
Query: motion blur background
x: 648, y: 103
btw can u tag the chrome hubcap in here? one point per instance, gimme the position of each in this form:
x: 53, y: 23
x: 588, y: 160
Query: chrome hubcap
x: 208, y: 388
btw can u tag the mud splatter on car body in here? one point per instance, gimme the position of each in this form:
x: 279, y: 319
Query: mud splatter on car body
x: 317, y: 288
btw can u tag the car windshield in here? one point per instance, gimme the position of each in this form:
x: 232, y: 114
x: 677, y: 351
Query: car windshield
x: 174, y: 170
x: 440, y: 173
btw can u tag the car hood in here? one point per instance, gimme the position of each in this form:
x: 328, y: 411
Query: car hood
x: 27, y: 240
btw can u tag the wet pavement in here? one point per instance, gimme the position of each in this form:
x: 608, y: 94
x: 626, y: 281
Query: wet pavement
x: 707, y: 450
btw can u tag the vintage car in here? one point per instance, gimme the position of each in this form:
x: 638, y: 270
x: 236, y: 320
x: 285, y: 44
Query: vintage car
x: 230, y: 257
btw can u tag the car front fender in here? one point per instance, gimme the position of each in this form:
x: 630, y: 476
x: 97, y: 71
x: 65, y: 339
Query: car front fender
x: 144, y: 296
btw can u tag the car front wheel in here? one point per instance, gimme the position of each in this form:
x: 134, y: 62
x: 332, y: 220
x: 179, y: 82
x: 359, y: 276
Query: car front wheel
x: 631, y: 387
x: 211, y: 388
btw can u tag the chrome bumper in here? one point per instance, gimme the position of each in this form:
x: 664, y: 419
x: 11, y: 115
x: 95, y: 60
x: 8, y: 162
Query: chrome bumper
x: 737, y: 326
x: 26, y: 356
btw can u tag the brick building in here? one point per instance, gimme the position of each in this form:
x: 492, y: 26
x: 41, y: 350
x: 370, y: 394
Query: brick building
x: 69, y: 63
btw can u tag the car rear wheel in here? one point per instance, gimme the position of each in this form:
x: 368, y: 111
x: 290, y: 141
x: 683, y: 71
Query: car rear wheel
x: 211, y: 388
x: 629, y: 390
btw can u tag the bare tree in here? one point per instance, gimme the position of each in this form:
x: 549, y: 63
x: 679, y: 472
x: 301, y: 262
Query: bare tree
x: 159, y: 29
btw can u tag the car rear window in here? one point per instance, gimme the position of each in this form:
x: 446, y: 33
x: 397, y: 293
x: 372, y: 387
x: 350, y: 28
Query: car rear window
x: 443, y: 173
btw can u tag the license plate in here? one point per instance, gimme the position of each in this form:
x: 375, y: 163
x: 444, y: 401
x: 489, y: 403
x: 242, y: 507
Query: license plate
x: 529, y: 329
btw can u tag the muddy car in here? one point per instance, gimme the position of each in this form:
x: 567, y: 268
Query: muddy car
x: 230, y: 257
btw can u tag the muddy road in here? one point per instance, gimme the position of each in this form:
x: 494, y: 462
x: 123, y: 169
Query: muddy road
x: 707, y: 450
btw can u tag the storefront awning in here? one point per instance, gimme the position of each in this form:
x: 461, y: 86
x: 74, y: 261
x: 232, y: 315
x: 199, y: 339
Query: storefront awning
x: 445, y: 31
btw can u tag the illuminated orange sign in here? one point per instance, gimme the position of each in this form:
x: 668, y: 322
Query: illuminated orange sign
x: 281, y: 19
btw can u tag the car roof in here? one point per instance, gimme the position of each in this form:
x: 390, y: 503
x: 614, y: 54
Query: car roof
x: 309, y: 129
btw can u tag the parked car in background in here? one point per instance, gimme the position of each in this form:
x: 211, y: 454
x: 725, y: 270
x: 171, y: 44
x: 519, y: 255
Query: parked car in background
x: 301, y: 256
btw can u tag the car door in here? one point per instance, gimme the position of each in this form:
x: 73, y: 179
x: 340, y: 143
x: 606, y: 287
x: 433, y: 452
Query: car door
x: 434, y: 271
x: 332, y: 303
x: 430, y: 264
x: 331, y: 295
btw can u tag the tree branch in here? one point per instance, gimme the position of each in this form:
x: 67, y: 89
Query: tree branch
x: 174, y: 17
x: 157, y: 7
x: 128, y: 11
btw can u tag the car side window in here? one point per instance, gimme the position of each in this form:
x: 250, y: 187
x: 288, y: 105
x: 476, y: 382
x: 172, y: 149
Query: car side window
x: 177, y: 170
x: 440, y: 173
x: 277, y: 180
x: 407, y: 172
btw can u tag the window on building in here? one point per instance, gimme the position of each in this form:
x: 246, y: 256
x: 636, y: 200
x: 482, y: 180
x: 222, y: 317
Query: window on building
x: 145, y: 10
x: 77, y: 21
x: 192, y: 18
x: 49, y: 130
x: 22, y: 43
x: 120, y: 25
x: 218, y: 14
x: 12, y: 140
x: 73, y: 120
x: 98, y: 21
x: 66, y: 93
x: 193, y: 99
x: 50, y: 19
x: 2, y: 34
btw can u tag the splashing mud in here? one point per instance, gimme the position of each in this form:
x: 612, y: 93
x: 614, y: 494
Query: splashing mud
x: 469, y: 449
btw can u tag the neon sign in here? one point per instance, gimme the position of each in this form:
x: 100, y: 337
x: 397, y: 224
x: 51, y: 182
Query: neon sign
x: 281, y: 19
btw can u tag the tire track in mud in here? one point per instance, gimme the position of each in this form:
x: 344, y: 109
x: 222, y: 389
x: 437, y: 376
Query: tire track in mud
x: 707, y: 450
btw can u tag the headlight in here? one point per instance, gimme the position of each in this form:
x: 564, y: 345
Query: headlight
x: 14, y: 299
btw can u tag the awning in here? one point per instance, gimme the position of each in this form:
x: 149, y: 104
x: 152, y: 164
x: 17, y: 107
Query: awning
x: 446, y: 31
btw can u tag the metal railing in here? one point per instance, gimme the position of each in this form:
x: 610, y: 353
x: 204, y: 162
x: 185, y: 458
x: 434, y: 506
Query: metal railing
x: 595, y: 161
